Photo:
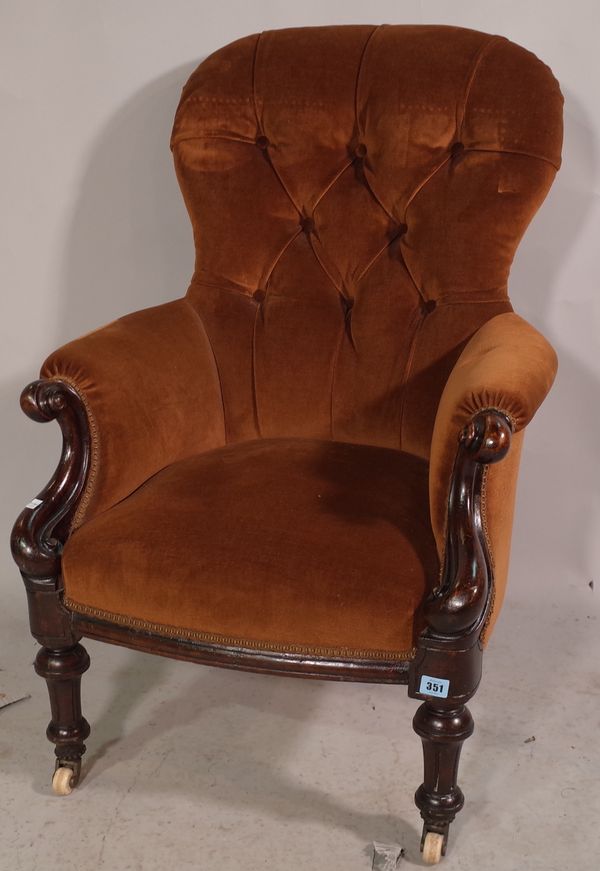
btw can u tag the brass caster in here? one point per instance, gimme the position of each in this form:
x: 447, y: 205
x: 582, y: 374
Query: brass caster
x: 432, y: 848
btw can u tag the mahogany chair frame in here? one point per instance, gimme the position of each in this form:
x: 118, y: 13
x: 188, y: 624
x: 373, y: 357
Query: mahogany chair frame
x: 450, y: 647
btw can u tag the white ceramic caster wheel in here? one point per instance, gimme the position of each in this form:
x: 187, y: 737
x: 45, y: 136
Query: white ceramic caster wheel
x: 62, y: 781
x: 432, y: 848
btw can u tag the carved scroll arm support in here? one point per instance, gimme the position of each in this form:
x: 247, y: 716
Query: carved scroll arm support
x: 449, y: 648
x: 42, y: 527
x: 459, y: 602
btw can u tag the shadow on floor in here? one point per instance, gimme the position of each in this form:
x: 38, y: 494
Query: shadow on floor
x: 247, y: 727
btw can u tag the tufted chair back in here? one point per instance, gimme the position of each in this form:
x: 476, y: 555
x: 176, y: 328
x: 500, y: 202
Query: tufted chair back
x: 357, y: 195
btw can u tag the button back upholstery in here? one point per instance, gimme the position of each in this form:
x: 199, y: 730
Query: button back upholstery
x: 372, y: 183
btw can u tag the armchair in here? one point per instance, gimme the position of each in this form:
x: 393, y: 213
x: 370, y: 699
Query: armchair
x: 308, y: 464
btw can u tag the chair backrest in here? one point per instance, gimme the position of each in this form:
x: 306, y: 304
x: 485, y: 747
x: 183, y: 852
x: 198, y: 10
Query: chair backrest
x: 357, y: 195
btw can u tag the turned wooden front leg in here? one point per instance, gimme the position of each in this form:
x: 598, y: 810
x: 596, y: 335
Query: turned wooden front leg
x: 442, y: 731
x: 68, y: 729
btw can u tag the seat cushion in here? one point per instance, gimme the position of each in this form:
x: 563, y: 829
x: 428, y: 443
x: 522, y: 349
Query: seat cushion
x: 292, y: 545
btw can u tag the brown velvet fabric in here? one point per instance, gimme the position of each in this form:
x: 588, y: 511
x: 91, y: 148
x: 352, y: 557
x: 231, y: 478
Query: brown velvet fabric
x: 151, y: 390
x: 277, y: 543
x: 357, y: 195
x: 507, y: 365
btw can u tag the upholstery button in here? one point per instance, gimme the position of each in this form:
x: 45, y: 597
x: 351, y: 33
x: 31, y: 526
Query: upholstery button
x: 427, y: 306
x: 307, y: 224
x: 402, y: 229
x: 456, y: 149
x: 360, y: 150
x: 262, y: 142
x: 258, y: 296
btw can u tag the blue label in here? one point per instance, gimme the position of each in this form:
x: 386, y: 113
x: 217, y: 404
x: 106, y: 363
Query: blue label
x: 434, y: 686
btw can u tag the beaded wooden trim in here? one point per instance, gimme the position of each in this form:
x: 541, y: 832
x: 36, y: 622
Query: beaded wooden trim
x: 232, y: 641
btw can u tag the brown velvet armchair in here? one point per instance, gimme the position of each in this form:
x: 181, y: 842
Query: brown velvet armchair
x: 308, y: 464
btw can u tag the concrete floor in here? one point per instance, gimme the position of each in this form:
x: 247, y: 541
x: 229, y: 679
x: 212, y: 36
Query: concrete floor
x: 199, y: 768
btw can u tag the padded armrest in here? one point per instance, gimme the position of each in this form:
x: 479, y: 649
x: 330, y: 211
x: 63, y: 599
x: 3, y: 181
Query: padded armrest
x: 509, y: 366
x: 151, y: 390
